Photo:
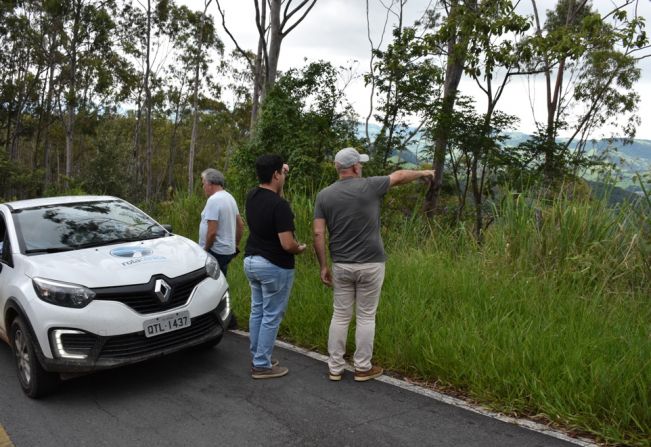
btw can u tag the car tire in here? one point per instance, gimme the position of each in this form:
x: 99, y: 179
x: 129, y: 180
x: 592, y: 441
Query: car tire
x: 34, y: 380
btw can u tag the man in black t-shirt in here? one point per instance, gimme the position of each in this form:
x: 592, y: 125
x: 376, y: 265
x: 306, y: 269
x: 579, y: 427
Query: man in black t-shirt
x: 269, y: 262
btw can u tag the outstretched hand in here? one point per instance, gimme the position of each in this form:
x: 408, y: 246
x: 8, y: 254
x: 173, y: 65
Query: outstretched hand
x: 428, y: 175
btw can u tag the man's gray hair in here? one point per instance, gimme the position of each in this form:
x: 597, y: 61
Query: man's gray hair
x: 213, y: 176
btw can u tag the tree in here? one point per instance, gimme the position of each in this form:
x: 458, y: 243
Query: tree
x: 87, y: 63
x: 455, y: 33
x: 305, y: 119
x: 205, y: 35
x: 407, y: 82
x: 272, y: 30
x: 493, y: 51
x: 589, y: 62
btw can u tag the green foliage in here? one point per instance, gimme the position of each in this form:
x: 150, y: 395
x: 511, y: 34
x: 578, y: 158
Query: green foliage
x: 108, y: 171
x: 182, y: 212
x: 305, y: 120
x: 407, y: 81
x: 581, y: 237
x: 16, y: 181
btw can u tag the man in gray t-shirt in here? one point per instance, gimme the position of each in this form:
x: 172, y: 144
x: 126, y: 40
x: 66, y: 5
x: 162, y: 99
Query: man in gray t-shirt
x: 350, y: 210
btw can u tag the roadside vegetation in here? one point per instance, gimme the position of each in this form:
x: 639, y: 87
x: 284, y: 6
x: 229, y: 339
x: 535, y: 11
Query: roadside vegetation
x: 549, y: 319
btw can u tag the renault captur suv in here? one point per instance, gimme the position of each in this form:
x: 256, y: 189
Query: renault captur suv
x: 92, y: 282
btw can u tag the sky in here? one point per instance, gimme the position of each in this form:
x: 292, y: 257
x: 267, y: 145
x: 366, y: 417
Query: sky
x: 336, y: 31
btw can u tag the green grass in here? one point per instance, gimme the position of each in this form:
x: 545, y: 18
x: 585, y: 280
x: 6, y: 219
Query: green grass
x: 550, y: 319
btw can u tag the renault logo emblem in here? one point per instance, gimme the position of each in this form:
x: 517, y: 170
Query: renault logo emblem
x: 162, y: 290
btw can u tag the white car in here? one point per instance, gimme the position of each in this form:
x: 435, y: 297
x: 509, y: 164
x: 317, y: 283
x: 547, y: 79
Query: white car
x: 92, y: 282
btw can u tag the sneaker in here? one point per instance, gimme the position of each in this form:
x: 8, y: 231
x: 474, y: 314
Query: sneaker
x: 335, y: 377
x: 363, y: 376
x: 269, y: 373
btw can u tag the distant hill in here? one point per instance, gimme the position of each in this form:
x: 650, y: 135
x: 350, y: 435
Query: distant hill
x: 614, y: 194
x: 412, y: 157
x: 630, y: 159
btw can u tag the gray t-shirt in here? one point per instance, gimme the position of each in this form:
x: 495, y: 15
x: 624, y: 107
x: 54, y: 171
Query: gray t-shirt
x: 351, y: 209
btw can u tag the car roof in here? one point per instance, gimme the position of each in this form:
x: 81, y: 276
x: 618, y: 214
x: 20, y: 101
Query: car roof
x: 47, y: 201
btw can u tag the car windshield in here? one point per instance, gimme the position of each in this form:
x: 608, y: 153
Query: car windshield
x: 53, y: 228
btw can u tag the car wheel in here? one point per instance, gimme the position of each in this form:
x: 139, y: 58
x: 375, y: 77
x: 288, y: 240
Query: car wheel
x: 34, y: 380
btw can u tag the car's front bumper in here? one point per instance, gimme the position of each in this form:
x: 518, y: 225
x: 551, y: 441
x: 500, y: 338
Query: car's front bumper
x: 104, y: 352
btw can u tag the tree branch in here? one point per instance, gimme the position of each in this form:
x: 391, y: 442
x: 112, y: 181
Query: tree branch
x: 237, y: 46
x: 299, y: 20
x: 261, y: 32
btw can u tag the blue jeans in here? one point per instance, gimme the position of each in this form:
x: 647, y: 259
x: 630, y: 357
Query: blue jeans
x: 270, y: 288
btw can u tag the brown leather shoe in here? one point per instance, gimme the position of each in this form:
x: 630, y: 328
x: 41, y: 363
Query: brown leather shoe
x: 363, y: 376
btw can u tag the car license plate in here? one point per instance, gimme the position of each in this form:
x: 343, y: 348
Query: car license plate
x: 168, y: 323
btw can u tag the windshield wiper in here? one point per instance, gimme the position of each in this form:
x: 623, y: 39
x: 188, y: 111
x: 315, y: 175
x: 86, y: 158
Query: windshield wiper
x: 153, y: 234
x: 48, y: 250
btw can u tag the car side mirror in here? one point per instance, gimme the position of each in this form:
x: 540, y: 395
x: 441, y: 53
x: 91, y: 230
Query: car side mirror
x: 167, y: 227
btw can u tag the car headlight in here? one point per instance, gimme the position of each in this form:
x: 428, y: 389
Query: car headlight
x: 212, y: 267
x: 225, y: 305
x: 62, y: 294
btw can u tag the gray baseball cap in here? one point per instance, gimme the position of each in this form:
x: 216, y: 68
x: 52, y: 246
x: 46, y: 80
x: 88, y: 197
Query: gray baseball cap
x: 348, y: 156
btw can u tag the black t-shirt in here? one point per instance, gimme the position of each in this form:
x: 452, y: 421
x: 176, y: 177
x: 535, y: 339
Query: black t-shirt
x: 268, y: 214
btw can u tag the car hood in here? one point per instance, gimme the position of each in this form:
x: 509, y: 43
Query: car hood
x: 120, y: 264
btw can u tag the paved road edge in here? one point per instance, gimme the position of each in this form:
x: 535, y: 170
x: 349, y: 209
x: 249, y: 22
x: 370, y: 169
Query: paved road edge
x: 524, y: 423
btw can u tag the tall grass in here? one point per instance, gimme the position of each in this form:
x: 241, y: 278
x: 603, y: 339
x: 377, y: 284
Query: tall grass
x: 550, y: 318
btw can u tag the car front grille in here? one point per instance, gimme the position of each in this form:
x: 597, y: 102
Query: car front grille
x: 135, y: 345
x: 142, y: 297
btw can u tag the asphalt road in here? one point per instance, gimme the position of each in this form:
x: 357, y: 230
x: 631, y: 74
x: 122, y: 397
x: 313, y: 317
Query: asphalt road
x: 207, y: 398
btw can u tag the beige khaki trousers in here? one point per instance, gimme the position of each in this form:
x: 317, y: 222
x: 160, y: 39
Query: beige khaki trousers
x: 356, y: 287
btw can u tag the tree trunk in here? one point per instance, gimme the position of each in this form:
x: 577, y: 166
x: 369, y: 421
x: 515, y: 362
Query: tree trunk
x: 71, y: 100
x: 452, y: 79
x: 173, y: 140
x: 48, y: 114
x: 135, y: 166
x: 275, y: 40
x: 195, y: 102
x: 457, y: 47
x: 258, y: 74
x: 148, y: 107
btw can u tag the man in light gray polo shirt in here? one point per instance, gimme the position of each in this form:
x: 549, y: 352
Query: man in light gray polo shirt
x: 221, y: 226
x: 350, y: 210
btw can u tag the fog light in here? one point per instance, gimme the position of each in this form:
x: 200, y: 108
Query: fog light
x: 227, y: 306
x: 60, y: 349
